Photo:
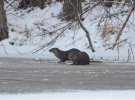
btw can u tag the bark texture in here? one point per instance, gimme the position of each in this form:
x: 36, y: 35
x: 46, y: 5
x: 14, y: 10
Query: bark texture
x: 3, y: 22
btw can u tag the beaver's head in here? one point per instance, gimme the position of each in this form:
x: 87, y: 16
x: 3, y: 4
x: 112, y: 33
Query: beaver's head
x: 55, y: 51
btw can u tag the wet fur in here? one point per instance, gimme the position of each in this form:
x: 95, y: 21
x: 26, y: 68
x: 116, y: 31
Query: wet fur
x: 63, y: 55
x: 81, y: 58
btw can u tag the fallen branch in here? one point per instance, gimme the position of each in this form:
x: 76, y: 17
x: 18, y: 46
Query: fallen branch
x: 64, y: 28
x: 53, y: 40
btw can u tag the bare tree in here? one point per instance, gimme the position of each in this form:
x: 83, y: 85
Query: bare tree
x: 123, y: 26
x: 68, y: 12
x: 3, y: 22
x: 40, y: 3
x: 72, y: 12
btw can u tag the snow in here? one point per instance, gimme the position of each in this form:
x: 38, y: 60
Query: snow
x: 29, y: 30
x: 38, y: 22
x: 74, y: 95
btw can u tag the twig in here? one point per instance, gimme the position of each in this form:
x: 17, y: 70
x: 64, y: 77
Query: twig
x: 52, y: 41
x: 131, y: 50
x: 64, y: 28
x: 120, y: 32
x: 5, y: 50
x: 6, y: 1
x: 11, y: 3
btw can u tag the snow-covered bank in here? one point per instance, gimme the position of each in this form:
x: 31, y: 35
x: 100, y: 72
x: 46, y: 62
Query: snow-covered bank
x: 32, y: 28
x: 81, y: 95
x: 28, y: 52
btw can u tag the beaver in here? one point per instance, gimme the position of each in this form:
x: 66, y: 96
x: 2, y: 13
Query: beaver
x: 63, y: 55
x: 80, y: 58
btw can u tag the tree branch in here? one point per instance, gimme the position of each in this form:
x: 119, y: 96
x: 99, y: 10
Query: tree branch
x: 120, y: 32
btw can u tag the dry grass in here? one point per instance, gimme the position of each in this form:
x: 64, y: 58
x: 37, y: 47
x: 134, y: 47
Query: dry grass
x: 107, y: 30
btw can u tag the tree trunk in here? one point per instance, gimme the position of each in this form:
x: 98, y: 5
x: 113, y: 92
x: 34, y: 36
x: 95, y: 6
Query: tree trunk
x: 69, y: 9
x: 40, y: 3
x: 3, y: 22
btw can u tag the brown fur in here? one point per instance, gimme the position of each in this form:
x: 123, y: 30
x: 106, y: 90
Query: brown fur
x: 63, y: 55
x: 80, y: 58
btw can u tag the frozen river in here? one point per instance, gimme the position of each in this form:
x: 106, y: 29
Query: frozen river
x: 27, y: 75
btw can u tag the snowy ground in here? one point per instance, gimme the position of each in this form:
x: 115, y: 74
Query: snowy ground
x: 29, y: 31
x: 74, y: 95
